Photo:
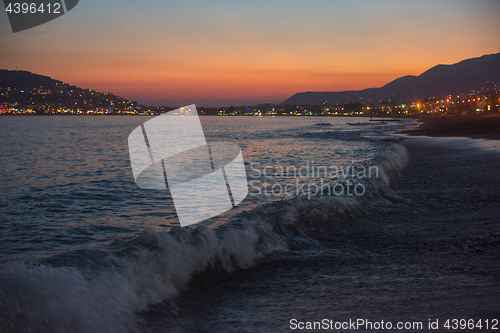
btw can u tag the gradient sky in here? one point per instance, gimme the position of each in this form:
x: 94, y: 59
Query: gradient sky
x: 235, y: 52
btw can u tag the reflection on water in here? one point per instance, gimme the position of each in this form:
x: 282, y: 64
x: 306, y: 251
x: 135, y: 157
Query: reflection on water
x: 66, y: 182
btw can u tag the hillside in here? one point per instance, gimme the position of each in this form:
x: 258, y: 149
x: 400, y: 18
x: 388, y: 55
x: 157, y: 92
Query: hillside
x: 439, y: 81
x: 26, y: 92
x: 25, y: 80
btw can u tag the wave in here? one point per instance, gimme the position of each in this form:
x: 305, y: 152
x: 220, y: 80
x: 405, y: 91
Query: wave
x: 334, y: 135
x: 102, y: 291
x: 324, y: 124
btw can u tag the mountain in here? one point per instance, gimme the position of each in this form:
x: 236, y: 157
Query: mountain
x: 439, y: 81
x: 25, y: 80
x: 22, y: 90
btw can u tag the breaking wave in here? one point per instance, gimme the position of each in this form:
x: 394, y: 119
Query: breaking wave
x: 102, y: 291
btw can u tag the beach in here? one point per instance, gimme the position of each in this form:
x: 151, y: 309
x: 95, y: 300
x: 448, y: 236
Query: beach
x: 435, y: 256
x: 486, y: 127
x: 84, y: 250
x: 250, y: 166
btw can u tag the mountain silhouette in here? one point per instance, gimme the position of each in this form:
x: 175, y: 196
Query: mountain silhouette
x: 439, y: 81
x: 25, y: 80
x: 32, y: 91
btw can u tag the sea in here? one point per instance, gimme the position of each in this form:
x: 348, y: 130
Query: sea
x: 84, y: 249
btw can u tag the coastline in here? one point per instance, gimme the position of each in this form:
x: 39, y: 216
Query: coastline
x: 485, y: 127
x: 434, y: 256
x: 430, y: 254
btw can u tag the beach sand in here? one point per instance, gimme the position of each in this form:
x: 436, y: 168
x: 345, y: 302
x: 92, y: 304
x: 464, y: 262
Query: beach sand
x: 434, y: 256
x: 470, y: 126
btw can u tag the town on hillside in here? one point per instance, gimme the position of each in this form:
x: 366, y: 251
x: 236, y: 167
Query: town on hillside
x: 65, y: 99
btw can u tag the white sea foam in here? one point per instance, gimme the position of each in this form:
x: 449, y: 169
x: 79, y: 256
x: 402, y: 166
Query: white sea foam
x: 156, y: 266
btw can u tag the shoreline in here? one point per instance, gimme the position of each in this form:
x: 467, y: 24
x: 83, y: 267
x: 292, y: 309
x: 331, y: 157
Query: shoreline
x: 433, y: 256
x: 483, y: 127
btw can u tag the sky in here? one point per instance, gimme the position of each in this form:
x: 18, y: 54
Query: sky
x: 234, y: 52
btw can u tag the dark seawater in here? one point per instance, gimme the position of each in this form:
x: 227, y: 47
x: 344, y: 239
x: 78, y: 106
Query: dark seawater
x: 83, y: 249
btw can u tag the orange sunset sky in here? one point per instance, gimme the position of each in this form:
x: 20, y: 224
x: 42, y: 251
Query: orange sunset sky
x: 222, y: 53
